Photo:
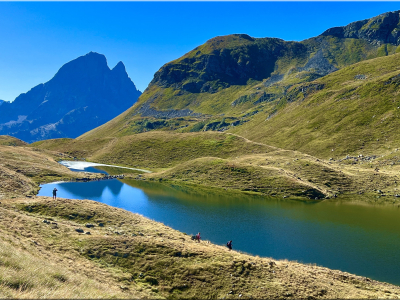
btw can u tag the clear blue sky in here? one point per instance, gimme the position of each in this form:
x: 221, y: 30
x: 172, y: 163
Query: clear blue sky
x: 38, y: 38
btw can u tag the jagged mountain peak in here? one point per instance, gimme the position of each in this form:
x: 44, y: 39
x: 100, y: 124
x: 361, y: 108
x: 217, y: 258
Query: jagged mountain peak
x: 82, y: 95
x: 91, y: 58
x: 81, y: 67
x: 119, y: 67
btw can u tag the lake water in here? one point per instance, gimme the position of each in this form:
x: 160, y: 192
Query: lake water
x: 360, y: 239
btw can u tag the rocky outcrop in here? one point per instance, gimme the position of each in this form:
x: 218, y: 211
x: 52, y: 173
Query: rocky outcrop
x: 381, y: 29
x: 301, y: 92
x: 220, y: 67
x: 319, y: 65
x: 83, y: 94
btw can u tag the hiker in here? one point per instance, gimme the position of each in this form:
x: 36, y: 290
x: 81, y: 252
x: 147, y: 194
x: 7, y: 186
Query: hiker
x: 55, y: 193
x: 229, y: 245
x: 198, y: 237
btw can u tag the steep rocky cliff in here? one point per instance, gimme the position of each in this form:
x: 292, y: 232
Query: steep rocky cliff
x: 83, y: 94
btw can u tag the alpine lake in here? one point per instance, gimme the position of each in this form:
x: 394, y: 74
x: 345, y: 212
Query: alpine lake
x: 358, y: 238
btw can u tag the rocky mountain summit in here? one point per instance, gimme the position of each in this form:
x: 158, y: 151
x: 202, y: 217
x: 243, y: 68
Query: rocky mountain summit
x: 84, y: 94
x: 227, y: 60
x: 382, y: 29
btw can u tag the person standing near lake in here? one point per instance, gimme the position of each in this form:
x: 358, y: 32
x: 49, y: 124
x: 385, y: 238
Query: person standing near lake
x: 198, y: 237
x: 55, y: 193
x: 229, y: 245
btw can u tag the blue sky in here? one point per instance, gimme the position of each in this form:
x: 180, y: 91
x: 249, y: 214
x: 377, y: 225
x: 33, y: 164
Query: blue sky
x: 37, y: 38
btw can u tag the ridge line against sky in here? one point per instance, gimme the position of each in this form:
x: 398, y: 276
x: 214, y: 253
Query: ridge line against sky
x: 39, y: 37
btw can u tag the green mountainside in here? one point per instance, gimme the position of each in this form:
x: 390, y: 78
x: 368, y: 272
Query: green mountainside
x: 233, y: 82
x: 353, y: 111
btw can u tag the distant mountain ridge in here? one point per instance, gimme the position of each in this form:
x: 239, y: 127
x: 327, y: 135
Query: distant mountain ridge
x: 1, y: 101
x: 84, y: 94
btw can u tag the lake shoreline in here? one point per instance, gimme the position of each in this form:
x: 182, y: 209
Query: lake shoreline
x: 338, y: 231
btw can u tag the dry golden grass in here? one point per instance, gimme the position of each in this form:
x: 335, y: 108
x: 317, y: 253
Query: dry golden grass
x: 30, y: 268
x: 134, y: 257
x: 24, y: 275
x: 7, y: 140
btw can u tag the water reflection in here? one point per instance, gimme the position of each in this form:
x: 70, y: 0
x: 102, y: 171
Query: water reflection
x: 359, y: 239
x: 90, y: 169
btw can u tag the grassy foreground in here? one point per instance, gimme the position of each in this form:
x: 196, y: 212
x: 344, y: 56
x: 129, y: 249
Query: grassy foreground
x: 128, y: 256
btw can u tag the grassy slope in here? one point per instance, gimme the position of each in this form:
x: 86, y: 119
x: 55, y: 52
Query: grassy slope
x: 284, y: 58
x: 133, y: 257
x: 155, y: 150
x: 222, y: 160
x: 284, y: 173
x: 7, y: 140
x: 227, y: 174
x: 22, y: 169
x: 207, y: 158
x: 348, y: 116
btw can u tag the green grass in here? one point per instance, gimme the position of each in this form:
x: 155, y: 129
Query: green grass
x: 155, y: 150
x: 348, y: 115
x: 232, y: 175
x: 224, y: 161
